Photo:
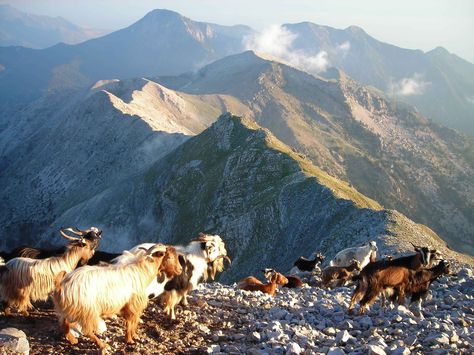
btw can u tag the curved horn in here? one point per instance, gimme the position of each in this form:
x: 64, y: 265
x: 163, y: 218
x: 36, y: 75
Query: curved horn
x: 76, y: 231
x: 68, y: 237
x: 155, y: 248
x: 414, y: 246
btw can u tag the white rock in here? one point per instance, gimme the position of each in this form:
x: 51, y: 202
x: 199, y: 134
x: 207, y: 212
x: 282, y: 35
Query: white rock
x: 336, y: 351
x: 343, y: 337
x: 293, y: 348
x: 375, y: 350
x: 13, y: 340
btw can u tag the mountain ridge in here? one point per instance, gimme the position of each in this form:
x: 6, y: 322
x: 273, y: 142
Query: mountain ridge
x: 236, y: 179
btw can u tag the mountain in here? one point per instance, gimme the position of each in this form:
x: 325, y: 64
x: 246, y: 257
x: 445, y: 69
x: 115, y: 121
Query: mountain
x: 64, y: 149
x: 389, y: 152
x: 161, y: 43
x: 270, y: 204
x: 18, y: 28
x: 438, y: 83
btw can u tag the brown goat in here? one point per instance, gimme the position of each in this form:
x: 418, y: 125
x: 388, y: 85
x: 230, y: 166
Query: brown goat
x: 253, y: 284
x: 383, y: 274
x: 419, y: 282
x: 340, y: 274
x: 293, y: 282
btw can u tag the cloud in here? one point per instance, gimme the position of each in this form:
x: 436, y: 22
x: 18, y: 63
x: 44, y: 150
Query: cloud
x: 409, y: 86
x: 277, y: 42
x: 344, y: 47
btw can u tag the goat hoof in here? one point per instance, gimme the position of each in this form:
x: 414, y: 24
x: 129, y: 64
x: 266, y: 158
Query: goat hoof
x: 72, y: 339
x: 103, y: 346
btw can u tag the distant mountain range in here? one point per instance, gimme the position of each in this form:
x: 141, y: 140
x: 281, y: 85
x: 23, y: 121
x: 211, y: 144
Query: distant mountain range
x: 438, y: 83
x: 161, y: 43
x: 18, y: 28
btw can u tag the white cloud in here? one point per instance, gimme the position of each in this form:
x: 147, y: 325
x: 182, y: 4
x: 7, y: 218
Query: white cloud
x: 410, y: 86
x: 277, y: 42
x: 344, y: 47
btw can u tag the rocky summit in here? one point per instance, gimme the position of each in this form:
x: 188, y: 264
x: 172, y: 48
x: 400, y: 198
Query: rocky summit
x: 310, y: 320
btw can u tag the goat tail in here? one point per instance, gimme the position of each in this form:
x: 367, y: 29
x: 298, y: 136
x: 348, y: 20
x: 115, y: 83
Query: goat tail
x: 57, y: 280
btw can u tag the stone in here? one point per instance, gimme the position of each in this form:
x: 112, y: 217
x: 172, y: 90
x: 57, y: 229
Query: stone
x: 375, y: 350
x: 343, y: 337
x: 13, y: 340
x: 365, y: 322
x: 336, y: 351
x: 293, y: 348
x: 255, y: 336
x: 401, y: 351
x: 214, y: 348
x: 329, y: 331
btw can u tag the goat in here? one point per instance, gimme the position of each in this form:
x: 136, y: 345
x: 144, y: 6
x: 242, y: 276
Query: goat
x: 339, y: 274
x: 92, y: 233
x: 293, y: 280
x: 383, y: 274
x: 23, y: 280
x: 363, y: 254
x: 419, y: 283
x: 253, y: 284
x: 202, y: 254
x: 304, y: 264
x: 113, y: 289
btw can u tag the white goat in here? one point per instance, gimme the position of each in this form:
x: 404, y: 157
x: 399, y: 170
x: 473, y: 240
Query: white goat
x: 363, y: 255
x: 91, y: 293
x: 24, y: 280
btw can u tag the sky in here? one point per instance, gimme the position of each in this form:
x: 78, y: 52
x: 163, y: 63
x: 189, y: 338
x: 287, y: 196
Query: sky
x: 416, y: 24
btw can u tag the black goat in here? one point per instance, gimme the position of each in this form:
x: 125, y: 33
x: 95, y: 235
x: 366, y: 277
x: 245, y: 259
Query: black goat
x: 308, y: 265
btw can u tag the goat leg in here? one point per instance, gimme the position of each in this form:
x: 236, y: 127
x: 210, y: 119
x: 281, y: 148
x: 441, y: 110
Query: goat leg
x: 356, y: 296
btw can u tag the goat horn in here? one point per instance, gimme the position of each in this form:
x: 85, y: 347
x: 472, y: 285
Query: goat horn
x: 68, y: 237
x: 77, y: 231
x: 155, y: 248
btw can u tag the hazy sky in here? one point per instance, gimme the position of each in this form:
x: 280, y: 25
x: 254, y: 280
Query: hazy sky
x: 423, y: 24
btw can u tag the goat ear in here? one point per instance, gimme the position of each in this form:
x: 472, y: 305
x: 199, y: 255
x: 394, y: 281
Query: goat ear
x: 161, y: 277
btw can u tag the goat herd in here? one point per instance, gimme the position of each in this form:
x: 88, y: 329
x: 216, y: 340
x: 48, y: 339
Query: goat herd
x: 122, y: 284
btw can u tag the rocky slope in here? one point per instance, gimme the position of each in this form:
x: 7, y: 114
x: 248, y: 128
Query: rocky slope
x: 67, y: 148
x: 270, y: 204
x: 388, y: 151
x: 311, y: 320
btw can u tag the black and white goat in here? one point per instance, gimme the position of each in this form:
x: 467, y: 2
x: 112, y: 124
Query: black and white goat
x: 199, y: 255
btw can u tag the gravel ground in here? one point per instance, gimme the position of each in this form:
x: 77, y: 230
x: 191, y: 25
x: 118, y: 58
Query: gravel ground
x: 308, y: 320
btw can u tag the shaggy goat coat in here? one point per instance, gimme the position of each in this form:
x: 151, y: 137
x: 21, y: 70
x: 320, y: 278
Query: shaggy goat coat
x: 23, y: 280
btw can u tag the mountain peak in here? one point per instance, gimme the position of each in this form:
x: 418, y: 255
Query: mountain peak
x: 355, y: 30
x: 162, y: 14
